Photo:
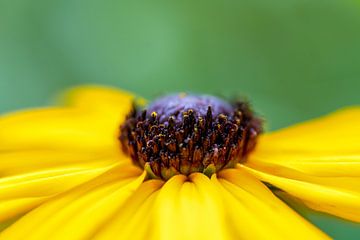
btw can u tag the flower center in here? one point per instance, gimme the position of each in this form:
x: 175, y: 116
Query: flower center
x: 182, y: 134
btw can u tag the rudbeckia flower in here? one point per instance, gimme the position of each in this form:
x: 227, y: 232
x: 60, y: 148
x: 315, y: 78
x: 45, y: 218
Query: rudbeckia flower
x: 190, y: 167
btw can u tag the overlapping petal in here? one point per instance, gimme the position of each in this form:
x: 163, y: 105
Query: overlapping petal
x: 133, y: 219
x: 317, y: 162
x: 232, y: 205
x: 56, y: 128
x: 113, y: 103
x: 21, y: 193
x: 79, y: 212
x: 189, y: 209
x: 47, y: 151
x: 252, y: 206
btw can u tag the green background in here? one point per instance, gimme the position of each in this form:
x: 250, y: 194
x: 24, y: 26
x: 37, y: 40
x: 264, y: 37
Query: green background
x: 294, y: 59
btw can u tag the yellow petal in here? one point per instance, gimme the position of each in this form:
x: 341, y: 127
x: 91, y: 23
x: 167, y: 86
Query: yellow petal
x: 322, y: 156
x: 79, y: 212
x: 189, y: 209
x: 335, y: 135
x: 132, y: 220
x: 58, y: 128
x: 21, y: 193
x: 350, y: 183
x: 316, y: 164
x: 212, y: 211
x: 28, y: 161
x: 73, y: 129
x: 255, y: 213
x: 316, y: 193
x: 346, y: 118
x: 166, y: 221
x: 47, y: 151
x: 30, y: 177
x: 113, y: 102
x: 13, y: 208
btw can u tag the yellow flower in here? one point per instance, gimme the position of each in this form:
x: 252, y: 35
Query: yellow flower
x: 63, y: 176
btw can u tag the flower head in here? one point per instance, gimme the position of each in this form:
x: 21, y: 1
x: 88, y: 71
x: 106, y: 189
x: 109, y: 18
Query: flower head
x: 183, y: 134
x: 63, y: 175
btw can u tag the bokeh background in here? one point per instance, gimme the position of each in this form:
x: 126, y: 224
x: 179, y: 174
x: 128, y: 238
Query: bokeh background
x: 293, y: 59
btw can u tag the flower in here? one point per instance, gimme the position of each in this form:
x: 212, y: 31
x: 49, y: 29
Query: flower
x: 63, y: 176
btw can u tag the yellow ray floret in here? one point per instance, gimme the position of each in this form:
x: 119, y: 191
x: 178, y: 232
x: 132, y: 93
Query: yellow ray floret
x: 317, y: 162
x: 57, y: 128
x: 132, y: 220
x: 112, y: 102
x: 189, y: 209
x: 47, y: 151
x: 253, y: 207
x: 81, y: 211
x: 318, y: 195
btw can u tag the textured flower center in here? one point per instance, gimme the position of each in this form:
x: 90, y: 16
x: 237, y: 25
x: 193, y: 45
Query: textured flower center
x: 182, y: 134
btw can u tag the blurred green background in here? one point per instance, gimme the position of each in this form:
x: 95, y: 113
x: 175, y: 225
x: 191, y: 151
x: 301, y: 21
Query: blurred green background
x: 294, y: 59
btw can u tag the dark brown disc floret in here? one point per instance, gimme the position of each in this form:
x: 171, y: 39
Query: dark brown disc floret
x: 182, y: 134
